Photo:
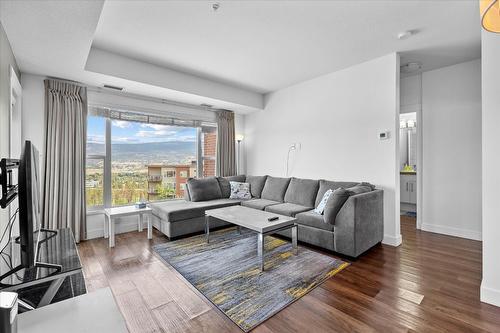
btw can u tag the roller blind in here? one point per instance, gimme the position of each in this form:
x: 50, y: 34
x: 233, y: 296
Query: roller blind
x: 150, y: 118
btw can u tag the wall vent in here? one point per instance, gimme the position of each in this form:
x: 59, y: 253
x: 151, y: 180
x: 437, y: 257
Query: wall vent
x: 113, y: 87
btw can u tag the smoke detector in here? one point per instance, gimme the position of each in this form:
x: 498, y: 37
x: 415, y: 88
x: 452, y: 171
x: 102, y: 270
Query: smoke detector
x: 411, y: 67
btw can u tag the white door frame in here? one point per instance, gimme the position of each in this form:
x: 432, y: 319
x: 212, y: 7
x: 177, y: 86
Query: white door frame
x: 15, y: 130
x: 420, y: 155
x: 15, y: 115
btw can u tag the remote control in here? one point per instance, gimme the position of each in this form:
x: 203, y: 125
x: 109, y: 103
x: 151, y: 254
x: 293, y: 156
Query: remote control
x: 274, y: 218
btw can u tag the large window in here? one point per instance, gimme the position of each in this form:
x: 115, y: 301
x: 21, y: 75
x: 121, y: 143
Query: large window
x: 130, y: 161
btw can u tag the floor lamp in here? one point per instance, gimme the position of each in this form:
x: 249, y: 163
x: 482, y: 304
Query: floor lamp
x: 239, y: 138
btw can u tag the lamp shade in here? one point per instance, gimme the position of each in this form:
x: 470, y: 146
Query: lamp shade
x: 239, y: 137
x: 490, y: 15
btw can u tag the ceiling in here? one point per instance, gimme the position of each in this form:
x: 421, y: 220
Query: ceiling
x: 237, y: 53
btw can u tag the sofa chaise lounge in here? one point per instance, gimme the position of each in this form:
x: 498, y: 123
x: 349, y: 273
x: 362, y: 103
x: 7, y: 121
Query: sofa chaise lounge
x: 356, y: 227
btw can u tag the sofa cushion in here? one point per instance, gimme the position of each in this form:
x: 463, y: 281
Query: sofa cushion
x: 302, y: 191
x: 179, y: 210
x: 203, y: 189
x: 325, y: 185
x: 258, y: 203
x: 256, y: 185
x: 288, y: 209
x: 334, y: 204
x: 225, y: 186
x: 312, y: 219
x: 275, y: 188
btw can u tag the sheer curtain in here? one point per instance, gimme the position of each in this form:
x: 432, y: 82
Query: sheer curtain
x: 64, y: 172
x: 226, y: 156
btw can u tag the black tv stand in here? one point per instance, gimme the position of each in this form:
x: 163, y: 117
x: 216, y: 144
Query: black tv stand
x: 57, y: 260
x: 37, y: 263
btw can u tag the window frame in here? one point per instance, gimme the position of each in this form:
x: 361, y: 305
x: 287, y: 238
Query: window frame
x: 96, y: 208
x: 106, y: 157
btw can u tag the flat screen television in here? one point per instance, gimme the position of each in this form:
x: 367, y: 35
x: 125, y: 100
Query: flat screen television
x: 30, y: 215
x: 31, y: 233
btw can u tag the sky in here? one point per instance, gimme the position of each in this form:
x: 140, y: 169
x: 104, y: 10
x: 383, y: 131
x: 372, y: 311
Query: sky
x: 132, y: 132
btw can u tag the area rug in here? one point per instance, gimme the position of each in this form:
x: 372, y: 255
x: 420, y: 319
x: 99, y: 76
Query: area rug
x: 227, y: 272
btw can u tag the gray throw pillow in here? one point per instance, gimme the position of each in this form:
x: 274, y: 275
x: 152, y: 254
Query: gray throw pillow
x: 335, y: 203
x: 204, y: 189
x: 256, y: 185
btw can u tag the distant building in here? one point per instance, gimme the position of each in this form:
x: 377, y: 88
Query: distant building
x: 174, y: 177
x: 91, y: 183
x: 165, y: 176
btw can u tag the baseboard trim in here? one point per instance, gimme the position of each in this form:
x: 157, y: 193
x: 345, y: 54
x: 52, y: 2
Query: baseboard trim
x: 119, y: 229
x: 490, y: 295
x: 451, y: 231
x: 392, y: 241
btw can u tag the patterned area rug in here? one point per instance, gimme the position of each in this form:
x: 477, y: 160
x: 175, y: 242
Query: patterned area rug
x: 226, y: 271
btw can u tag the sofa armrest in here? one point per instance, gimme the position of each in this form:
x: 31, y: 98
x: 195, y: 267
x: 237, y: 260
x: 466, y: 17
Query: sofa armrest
x: 359, y: 225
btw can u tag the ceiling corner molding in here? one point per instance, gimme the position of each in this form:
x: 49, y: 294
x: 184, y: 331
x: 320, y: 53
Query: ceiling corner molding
x: 116, y: 65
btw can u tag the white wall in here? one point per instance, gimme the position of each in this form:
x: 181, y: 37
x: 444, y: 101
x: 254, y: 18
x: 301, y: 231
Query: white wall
x: 490, y: 53
x: 6, y: 61
x: 33, y: 110
x: 411, y: 93
x: 336, y: 118
x: 451, y: 166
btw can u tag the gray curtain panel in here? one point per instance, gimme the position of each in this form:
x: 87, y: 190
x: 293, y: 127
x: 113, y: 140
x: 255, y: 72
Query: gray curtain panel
x: 65, y: 142
x: 226, y: 155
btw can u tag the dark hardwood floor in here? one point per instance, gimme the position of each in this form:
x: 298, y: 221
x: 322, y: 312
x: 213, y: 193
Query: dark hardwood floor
x: 428, y: 284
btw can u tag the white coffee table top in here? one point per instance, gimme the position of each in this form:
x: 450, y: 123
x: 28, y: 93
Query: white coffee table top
x: 250, y: 218
x: 94, y: 312
x: 125, y: 210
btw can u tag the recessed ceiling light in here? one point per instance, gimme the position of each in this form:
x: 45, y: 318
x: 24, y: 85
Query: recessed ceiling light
x: 405, y: 34
x: 411, y: 67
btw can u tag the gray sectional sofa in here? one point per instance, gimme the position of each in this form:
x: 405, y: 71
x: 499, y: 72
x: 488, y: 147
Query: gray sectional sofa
x: 351, y: 228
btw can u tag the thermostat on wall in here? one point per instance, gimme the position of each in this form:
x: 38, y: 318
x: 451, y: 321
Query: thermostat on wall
x: 383, y: 135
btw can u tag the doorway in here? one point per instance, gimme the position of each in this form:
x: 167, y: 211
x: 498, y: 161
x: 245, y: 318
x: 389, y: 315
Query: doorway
x: 410, y: 149
x: 408, y: 164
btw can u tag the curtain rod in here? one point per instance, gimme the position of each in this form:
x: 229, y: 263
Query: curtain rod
x: 67, y: 81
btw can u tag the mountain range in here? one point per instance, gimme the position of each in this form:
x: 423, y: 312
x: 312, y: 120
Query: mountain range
x: 175, y: 152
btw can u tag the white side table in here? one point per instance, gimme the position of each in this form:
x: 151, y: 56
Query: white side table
x: 112, y: 213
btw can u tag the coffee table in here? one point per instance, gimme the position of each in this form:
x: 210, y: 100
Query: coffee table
x: 255, y: 220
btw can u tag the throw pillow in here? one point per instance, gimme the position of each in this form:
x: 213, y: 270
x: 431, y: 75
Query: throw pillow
x: 321, y: 206
x: 335, y: 203
x: 240, y: 191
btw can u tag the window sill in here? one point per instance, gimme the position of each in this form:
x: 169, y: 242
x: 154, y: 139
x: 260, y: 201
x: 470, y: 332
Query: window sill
x: 95, y: 211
